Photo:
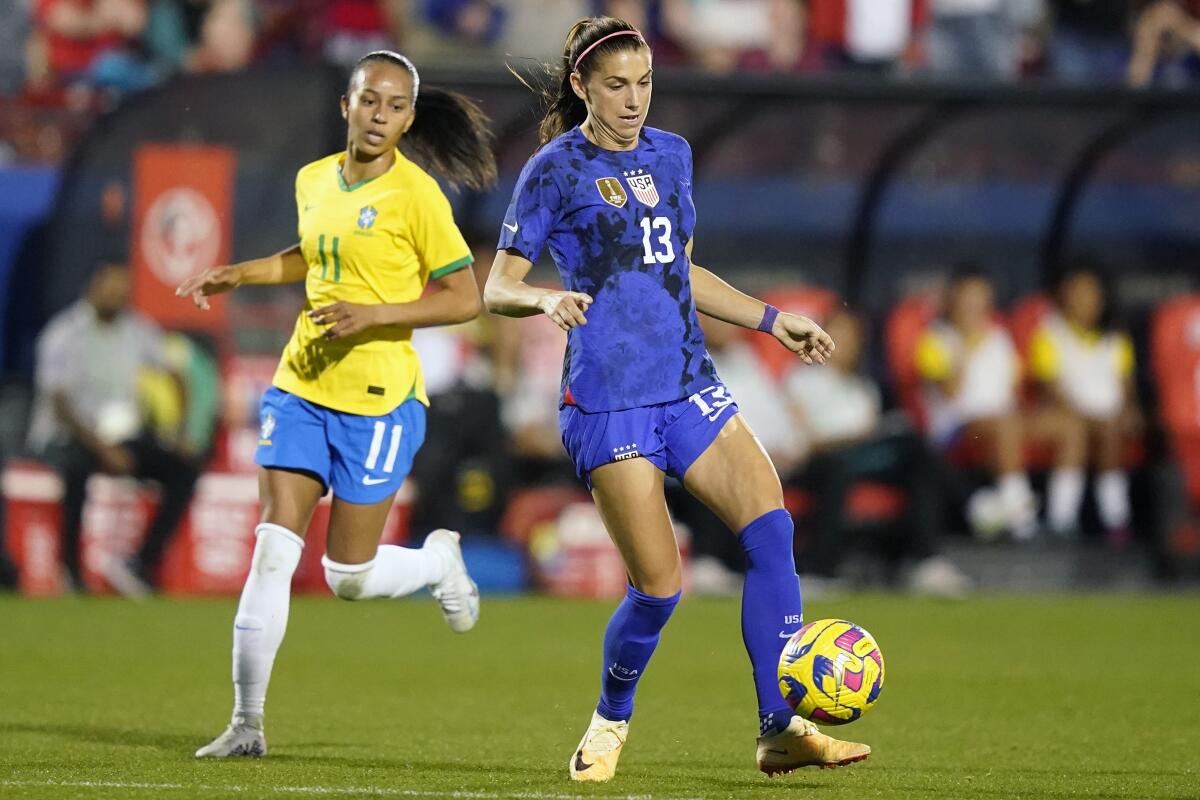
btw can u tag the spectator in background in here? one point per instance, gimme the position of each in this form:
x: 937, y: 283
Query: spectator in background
x: 724, y: 35
x: 973, y: 39
x: 1085, y: 367
x: 475, y: 22
x: 972, y: 370
x: 1165, y: 31
x: 14, y: 40
x: 91, y: 41
x: 873, y: 36
x: 463, y: 482
x: 350, y: 28
x: 87, y: 419
x: 840, y: 416
x: 1089, y: 40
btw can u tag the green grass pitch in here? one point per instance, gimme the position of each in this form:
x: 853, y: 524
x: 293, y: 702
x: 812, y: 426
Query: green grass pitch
x: 1081, y: 696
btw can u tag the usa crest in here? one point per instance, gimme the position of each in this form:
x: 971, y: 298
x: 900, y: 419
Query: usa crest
x: 366, y: 217
x: 611, y: 192
x: 642, y: 184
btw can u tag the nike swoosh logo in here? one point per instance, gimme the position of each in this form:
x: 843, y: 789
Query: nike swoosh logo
x: 784, y: 635
x: 369, y: 481
x: 774, y: 750
x: 580, y: 766
x: 718, y: 413
x: 512, y: 227
x: 618, y: 677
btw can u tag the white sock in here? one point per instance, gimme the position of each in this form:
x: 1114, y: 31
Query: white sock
x: 262, y: 615
x: 1065, y: 494
x: 1020, y: 507
x: 1112, y: 497
x: 394, y: 572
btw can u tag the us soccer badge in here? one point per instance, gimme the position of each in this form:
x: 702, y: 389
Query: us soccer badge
x: 642, y: 184
x: 611, y: 192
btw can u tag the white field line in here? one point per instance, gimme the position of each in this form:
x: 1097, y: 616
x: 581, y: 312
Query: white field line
x: 375, y: 791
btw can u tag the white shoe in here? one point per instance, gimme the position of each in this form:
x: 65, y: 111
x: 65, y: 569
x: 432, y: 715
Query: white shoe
x: 121, y: 576
x: 241, y: 738
x: 937, y: 576
x: 595, y: 759
x: 456, y: 593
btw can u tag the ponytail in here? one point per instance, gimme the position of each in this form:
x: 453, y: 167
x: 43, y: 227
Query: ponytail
x: 587, y: 42
x: 450, y: 134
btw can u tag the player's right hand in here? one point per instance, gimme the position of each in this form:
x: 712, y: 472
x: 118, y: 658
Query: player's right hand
x: 567, y: 309
x: 211, y: 281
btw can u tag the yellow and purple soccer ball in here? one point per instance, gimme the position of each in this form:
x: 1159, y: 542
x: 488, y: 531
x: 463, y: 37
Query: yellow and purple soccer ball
x: 831, y: 671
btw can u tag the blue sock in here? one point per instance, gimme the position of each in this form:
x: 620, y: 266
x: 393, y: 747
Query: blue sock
x: 629, y: 641
x: 771, y: 610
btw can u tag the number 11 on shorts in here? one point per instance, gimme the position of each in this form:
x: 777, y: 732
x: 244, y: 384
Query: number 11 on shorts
x: 389, y: 463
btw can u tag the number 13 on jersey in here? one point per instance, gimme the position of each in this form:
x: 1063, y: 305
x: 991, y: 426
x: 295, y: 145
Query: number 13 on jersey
x: 657, y: 231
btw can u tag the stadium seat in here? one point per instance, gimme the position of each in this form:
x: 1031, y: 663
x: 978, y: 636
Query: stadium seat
x: 1027, y: 314
x: 1175, y: 360
x: 905, y: 324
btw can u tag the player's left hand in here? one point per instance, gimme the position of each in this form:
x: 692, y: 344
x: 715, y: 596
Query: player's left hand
x: 803, y: 337
x: 345, y: 319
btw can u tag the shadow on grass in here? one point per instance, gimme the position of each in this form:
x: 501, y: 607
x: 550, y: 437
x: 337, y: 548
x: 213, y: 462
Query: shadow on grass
x: 104, y: 734
x: 409, y: 764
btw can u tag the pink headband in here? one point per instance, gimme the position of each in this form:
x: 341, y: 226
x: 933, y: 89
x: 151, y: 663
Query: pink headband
x: 599, y: 42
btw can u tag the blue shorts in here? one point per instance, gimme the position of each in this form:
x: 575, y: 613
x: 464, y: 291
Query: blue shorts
x: 363, y: 459
x: 670, y: 435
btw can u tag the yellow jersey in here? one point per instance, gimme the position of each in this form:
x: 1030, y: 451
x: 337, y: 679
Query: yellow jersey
x: 377, y: 241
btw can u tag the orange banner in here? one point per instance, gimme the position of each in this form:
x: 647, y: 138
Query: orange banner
x: 183, y: 222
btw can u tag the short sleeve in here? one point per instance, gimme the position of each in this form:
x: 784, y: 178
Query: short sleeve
x: 439, y: 243
x: 536, y: 207
x: 933, y: 358
x: 1043, y: 356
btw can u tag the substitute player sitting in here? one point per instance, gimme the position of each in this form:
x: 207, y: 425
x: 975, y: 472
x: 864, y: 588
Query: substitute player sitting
x: 640, y: 397
x: 346, y: 410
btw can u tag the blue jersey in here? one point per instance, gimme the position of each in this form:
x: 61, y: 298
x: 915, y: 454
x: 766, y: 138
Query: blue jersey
x: 617, y: 223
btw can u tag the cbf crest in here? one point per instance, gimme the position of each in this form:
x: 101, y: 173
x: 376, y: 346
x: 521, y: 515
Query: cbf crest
x: 642, y: 184
x: 366, y: 217
x: 611, y: 191
x: 266, y: 429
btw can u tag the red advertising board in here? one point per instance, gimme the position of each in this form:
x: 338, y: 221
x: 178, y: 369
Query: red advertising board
x: 183, y: 204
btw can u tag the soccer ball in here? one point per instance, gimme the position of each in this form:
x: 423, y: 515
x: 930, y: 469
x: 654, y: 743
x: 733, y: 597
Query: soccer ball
x: 831, y: 671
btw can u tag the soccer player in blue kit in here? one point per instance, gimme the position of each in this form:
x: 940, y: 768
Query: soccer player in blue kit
x: 640, y: 397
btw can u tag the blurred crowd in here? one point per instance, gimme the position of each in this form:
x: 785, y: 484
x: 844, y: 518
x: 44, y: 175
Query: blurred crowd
x: 48, y: 46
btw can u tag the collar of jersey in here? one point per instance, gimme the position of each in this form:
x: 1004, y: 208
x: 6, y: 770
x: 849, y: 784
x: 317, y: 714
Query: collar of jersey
x: 350, y: 187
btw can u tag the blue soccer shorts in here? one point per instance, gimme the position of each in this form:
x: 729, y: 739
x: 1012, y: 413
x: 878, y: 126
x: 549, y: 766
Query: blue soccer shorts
x: 670, y: 435
x: 362, y: 459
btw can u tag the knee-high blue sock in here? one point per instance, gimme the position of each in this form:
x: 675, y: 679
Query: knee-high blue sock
x: 629, y: 641
x: 771, y: 610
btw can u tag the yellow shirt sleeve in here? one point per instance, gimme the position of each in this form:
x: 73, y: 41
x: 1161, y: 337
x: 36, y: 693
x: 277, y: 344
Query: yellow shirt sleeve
x: 1125, y: 358
x: 439, y: 244
x: 1043, y: 357
x: 933, y: 358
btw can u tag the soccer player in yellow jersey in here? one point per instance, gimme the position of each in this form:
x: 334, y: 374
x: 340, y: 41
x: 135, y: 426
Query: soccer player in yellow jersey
x: 346, y: 410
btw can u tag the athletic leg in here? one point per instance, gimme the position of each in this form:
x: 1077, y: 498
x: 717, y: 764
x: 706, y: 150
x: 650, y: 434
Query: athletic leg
x: 1112, y: 481
x: 371, y: 456
x: 288, y: 500
x: 629, y: 496
x: 735, y: 478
